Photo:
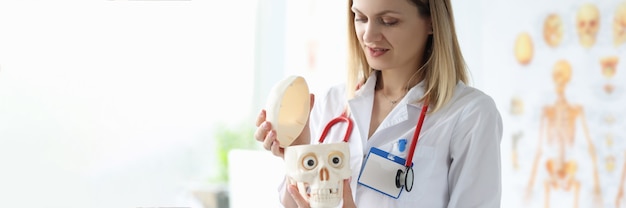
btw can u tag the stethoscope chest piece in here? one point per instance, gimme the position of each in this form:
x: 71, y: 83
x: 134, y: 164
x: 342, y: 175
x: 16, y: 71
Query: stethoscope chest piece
x: 405, y: 178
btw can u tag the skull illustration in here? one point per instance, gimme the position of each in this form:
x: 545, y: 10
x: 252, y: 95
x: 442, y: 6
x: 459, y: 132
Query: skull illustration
x: 553, y: 30
x: 588, y: 24
x: 319, y: 171
x: 619, y: 25
x: 609, y: 67
x: 524, y: 48
x: 561, y: 74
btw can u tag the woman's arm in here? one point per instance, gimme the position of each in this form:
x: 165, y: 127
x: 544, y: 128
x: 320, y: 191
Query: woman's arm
x: 474, y: 178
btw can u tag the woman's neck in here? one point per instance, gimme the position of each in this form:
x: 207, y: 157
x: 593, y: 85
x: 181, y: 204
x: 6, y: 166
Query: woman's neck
x: 396, y: 83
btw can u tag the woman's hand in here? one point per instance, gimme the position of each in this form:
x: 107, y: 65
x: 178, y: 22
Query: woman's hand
x: 348, y: 202
x: 265, y: 134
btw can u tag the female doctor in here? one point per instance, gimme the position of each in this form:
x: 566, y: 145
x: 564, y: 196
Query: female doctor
x: 404, y: 58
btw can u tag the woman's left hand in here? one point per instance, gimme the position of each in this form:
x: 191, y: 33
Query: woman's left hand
x: 348, y: 202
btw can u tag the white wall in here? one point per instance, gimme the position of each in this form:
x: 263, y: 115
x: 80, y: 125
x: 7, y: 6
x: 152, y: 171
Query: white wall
x: 112, y: 103
x: 469, y: 32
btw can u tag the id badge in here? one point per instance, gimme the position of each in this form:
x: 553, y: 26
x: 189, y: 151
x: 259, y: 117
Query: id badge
x: 379, y: 172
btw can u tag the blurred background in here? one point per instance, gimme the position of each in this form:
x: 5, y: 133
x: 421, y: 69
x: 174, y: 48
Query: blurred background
x: 151, y: 103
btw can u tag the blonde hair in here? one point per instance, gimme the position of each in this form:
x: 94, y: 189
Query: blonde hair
x: 443, y: 67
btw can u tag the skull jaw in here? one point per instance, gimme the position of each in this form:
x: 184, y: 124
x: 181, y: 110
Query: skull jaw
x: 326, y: 200
x: 587, y: 40
x: 325, y: 195
x: 553, y: 39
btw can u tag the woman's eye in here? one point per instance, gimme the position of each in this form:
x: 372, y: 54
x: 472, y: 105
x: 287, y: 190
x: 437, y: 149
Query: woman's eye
x: 360, y: 19
x: 388, y: 22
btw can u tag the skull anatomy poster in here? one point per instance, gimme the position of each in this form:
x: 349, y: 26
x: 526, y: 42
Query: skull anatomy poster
x: 562, y: 94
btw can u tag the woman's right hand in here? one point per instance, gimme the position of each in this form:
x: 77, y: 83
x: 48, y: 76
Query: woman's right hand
x: 265, y: 134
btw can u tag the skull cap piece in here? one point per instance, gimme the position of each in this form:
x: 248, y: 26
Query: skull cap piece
x: 288, y: 106
x: 319, y: 171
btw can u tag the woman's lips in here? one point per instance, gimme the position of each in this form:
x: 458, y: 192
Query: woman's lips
x: 376, y: 52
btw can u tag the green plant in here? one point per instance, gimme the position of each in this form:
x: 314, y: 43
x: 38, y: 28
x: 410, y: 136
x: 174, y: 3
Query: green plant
x: 228, y: 138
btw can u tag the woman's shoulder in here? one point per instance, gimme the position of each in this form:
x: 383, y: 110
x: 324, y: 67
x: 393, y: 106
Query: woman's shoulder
x: 333, y: 92
x: 328, y: 103
x: 472, y: 97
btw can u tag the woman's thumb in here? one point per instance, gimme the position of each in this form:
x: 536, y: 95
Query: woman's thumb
x: 312, y: 101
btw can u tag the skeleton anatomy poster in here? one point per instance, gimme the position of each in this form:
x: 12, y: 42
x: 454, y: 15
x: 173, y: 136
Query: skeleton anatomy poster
x: 559, y: 70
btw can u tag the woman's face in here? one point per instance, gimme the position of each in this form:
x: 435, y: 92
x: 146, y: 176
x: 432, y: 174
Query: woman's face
x: 391, y: 32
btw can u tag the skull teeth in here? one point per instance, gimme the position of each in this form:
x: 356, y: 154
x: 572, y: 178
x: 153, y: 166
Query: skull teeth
x: 325, y: 195
x: 325, y: 192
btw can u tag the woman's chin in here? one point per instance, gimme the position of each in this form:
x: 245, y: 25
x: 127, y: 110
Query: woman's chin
x: 378, y: 65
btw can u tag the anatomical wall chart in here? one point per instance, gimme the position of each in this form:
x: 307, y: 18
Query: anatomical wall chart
x: 560, y: 68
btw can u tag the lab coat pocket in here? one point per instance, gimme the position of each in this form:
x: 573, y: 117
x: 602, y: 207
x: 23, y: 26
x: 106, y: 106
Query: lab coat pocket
x: 423, y: 164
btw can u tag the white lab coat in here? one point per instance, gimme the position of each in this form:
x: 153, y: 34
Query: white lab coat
x: 457, y: 158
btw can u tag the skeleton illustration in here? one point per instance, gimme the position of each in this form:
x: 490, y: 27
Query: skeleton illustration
x: 588, y: 24
x: 610, y: 163
x: 517, y: 106
x: 516, y: 137
x: 620, y: 190
x: 558, y: 125
x: 319, y: 171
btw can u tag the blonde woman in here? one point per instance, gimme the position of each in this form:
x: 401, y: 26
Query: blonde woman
x: 405, y: 58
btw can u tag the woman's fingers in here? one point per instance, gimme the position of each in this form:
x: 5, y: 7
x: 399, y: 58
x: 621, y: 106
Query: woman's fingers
x: 295, y: 194
x: 269, y: 140
x: 262, y: 132
x: 265, y: 134
x: 262, y: 127
x: 276, y: 149
x: 348, y: 202
x: 261, y: 118
x: 312, y: 98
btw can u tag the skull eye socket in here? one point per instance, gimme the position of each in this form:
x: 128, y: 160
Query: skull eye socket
x: 309, y: 161
x: 335, y: 159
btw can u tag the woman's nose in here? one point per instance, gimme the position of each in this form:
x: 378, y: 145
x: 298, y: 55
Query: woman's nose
x: 371, y: 33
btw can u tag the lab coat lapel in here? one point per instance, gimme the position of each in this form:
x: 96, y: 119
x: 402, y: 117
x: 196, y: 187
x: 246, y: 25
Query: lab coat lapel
x: 361, y: 107
x: 397, y: 119
x: 408, y: 110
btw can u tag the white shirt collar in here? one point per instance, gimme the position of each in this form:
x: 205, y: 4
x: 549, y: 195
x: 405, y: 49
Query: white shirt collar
x: 412, y: 97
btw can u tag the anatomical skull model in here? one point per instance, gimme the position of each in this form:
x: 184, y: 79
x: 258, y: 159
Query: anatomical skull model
x: 319, y: 171
x: 619, y: 25
x: 587, y: 24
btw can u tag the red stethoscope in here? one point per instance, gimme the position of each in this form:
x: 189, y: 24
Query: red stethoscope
x: 403, y: 178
